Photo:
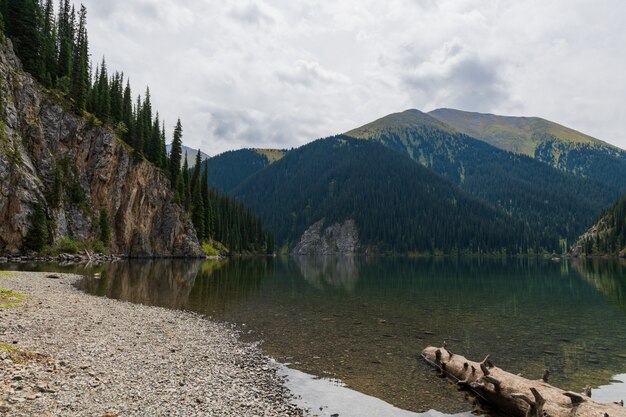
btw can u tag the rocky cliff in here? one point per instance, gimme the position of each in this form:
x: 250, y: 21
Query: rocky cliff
x: 77, y: 169
x: 336, y: 239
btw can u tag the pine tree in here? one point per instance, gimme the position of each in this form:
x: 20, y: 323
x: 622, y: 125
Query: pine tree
x: 65, y: 45
x: 195, y: 176
x: 208, y: 210
x: 23, y: 23
x: 127, y: 113
x: 176, y: 154
x: 163, y: 149
x: 103, y: 106
x: 48, y: 48
x: 138, y: 132
x: 117, y: 97
x: 80, y: 70
x: 146, y: 120
x: 197, y: 213
x: 153, y: 151
x: 186, y: 188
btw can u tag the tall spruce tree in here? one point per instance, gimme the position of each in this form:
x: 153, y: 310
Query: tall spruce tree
x: 186, y: 188
x: 208, y: 211
x: 195, y: 176
x: 127, y: 113
x: 80, y: 70
x: 23, y: 23
x: 65, y: 45
x: 48, y: 46
x: 197, y: 213
x: 138, y: 131
x: 176, y: 154
x: 163, y: 149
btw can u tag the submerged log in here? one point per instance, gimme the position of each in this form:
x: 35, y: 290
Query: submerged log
x: 514, y: 394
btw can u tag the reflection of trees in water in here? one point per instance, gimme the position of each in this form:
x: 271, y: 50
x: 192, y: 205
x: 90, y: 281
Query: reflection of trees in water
x: 607, y: 276
x: 337, y: 271
x: 221, y: 289
x: 166, y: 283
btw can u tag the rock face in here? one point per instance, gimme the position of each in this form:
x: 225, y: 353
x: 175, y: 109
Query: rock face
x: 336, y: 239
x: 76, y: 169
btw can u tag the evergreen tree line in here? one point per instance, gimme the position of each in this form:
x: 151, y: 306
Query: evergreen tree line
x: 54, y: 48
x: 216, y: 217
x: 611, y: 236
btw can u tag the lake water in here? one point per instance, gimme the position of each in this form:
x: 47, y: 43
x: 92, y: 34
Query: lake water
x: 365, y: 321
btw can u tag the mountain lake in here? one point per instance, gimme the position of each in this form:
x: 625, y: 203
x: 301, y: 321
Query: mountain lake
x: 347, y: 332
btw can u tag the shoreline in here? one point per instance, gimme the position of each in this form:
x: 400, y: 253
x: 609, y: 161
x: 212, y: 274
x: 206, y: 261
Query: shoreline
x: 67, y: 353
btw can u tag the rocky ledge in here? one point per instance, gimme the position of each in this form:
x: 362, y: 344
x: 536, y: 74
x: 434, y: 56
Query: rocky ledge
x: 66, y: 353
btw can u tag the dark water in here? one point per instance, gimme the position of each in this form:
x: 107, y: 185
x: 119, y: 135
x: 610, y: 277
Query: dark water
x: 366, y: 320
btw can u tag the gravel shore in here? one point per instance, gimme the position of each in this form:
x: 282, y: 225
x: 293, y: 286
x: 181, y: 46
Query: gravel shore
x: 66, y: 353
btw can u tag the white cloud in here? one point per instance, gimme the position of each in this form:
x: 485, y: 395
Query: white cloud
x: 278, y: 73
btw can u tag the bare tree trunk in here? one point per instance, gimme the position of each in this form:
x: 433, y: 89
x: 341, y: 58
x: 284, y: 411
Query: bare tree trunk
x: 514, y: 394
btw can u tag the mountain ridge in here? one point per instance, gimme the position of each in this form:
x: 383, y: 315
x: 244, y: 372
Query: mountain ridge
x: 558, y: 203
x: 403, y: 208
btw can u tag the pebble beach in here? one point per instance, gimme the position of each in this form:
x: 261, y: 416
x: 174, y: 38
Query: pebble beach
x: 66, y: 353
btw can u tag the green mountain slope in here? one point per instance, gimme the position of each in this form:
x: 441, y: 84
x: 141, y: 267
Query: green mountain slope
x: 397, y: 205
x: 608, y: 234
x: 546, y: 141
x: 229, y: 169
x: 553, y: 203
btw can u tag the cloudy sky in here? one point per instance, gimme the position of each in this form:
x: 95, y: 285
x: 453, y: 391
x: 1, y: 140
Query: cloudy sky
x: 280, y: 73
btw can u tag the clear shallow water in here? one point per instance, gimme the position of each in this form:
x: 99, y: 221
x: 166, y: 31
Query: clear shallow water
x: 365, y: 321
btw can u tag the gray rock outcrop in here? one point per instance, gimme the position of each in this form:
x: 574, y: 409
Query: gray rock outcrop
x: 75, y: 168
x: 336, y: 239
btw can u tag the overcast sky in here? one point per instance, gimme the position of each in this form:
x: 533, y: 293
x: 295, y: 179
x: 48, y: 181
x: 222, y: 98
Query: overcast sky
x: 280, y: 73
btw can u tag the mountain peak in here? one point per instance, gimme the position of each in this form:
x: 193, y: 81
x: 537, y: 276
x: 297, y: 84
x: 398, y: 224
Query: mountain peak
x: 516, y: 134
x: 408, y: 119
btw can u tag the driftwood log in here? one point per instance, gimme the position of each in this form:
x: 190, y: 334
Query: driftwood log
x: 513, y: 394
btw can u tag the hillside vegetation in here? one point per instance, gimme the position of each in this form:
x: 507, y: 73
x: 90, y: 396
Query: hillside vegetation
x: 608, y: 235
x: 229, y: 169
x: 555, y: 205
x: 546, y: 141
x: 398, y: 205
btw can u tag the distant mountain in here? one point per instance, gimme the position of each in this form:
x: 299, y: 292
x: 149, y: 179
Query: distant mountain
x: 229, y: 169
x: 191, y: 154
x: 608, y: 234
x: 346, y: 195
x: 554, y: 204
x: 546, y: 141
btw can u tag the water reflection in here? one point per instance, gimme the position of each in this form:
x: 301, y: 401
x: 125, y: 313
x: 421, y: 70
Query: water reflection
x: 163, y: 283
x: 338, y: 272
x: 366, y: 320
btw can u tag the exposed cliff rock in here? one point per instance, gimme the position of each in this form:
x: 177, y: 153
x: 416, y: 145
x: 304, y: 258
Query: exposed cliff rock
x: 75, y: 169
x: 336, y: 239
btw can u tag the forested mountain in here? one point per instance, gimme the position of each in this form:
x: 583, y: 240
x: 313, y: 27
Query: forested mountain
x: 229, y: 169
x: 546, y: 141
x: 555, y: 205
x: 81, y: 160
x: 608, y: 234
x: 397, y: 205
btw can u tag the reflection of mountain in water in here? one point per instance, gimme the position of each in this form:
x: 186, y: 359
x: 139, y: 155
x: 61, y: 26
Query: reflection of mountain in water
x: 336, y: 271
x: 607, y: 276
x: 166, y: 283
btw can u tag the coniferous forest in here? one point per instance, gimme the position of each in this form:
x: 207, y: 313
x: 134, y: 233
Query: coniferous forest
x: 54, y: 48
x: 608, y: 235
